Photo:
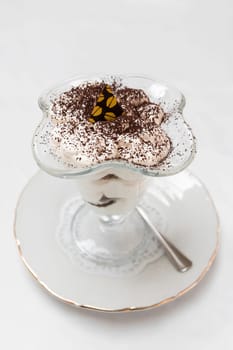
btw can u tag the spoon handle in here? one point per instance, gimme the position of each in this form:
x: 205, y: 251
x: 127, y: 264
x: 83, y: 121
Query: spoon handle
x: 176, y: 257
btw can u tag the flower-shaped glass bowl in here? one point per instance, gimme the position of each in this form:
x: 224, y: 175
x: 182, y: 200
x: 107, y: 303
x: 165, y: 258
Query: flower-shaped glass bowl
x: 170, y: 99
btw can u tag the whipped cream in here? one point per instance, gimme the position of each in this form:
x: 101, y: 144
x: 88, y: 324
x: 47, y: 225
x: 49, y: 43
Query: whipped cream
x: 134, y: 137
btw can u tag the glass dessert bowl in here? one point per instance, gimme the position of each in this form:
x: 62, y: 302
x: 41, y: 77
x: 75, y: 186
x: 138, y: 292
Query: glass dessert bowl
x: 113, y: 135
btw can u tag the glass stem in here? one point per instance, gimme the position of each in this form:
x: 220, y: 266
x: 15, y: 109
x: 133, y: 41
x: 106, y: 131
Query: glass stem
x: 111, y: 220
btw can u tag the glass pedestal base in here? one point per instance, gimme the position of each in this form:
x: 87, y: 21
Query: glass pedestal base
x: 112, y: 245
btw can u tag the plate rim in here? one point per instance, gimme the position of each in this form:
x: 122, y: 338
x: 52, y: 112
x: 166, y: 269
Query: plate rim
x: 129, y: 308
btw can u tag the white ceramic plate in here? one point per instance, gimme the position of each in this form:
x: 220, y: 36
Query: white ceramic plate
x: 192, y: 225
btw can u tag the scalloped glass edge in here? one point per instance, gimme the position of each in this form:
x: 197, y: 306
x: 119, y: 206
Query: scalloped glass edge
x: 170, y: 98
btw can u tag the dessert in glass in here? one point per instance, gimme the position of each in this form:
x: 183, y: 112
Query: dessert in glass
x: 114, y: 135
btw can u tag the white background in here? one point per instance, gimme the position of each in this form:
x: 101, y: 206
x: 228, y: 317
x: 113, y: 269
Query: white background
x: 186, y: 43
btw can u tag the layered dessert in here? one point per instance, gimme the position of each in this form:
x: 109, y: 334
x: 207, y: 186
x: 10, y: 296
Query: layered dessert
x: 107, y: 136
x: 112, y: 191
x: 97, y: 123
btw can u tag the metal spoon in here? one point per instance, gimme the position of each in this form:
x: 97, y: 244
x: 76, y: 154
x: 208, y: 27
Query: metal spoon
x: 178, y: 259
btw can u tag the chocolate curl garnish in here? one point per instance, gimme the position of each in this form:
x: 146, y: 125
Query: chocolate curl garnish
x: 107, y: 108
